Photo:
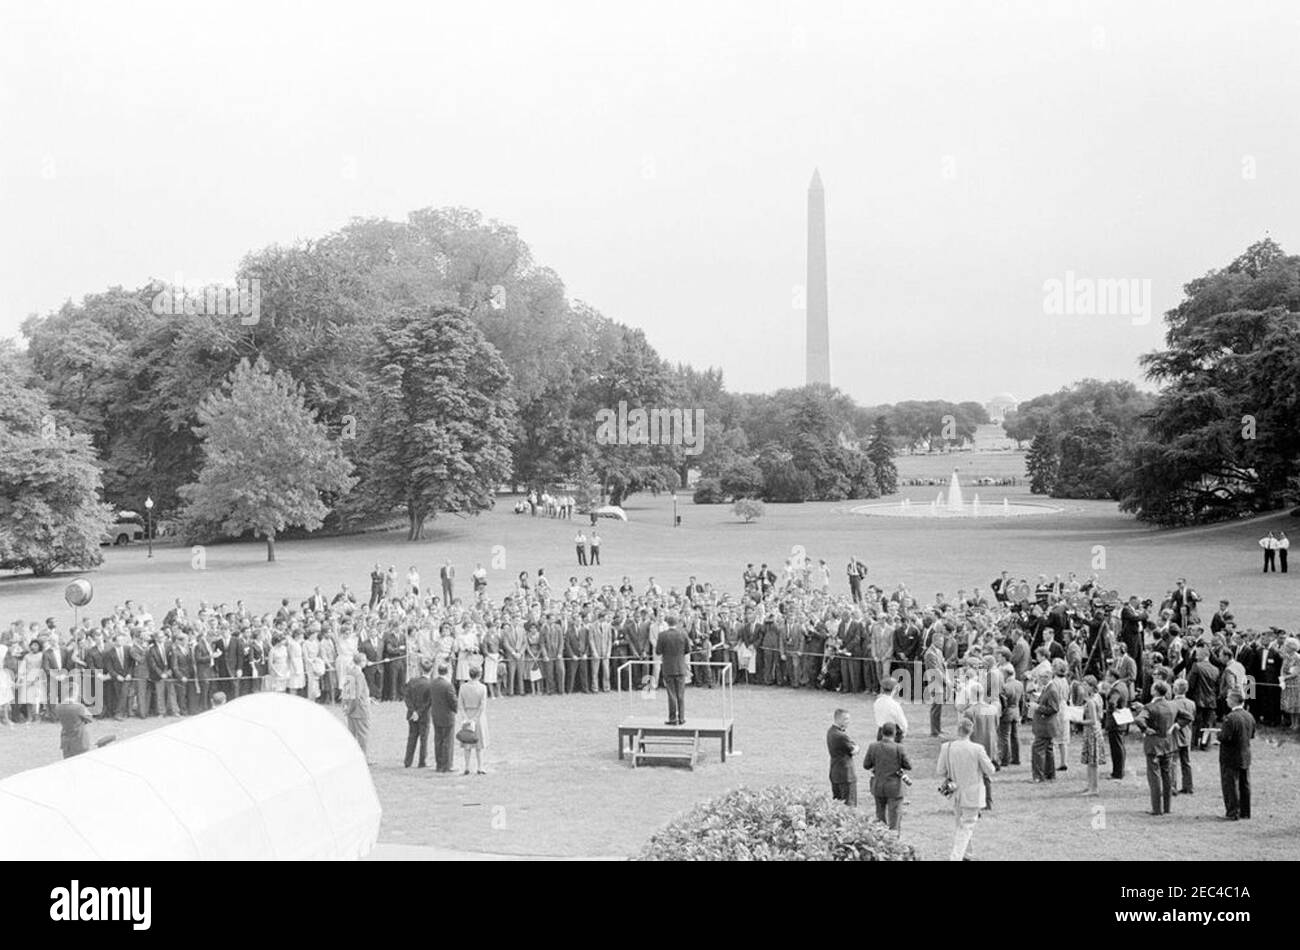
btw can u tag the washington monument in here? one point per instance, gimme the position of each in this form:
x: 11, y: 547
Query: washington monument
x: 819, y: 344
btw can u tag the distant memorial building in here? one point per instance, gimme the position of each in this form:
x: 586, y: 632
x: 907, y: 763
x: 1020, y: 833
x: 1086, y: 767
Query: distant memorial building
x: 819, y: 342
x: 1000, y: 405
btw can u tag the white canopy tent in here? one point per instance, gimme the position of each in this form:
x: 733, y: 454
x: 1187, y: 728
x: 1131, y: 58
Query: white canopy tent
x: 269, y: 776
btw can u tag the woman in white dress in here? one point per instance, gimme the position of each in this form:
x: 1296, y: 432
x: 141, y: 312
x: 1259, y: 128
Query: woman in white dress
x: 297, y: 666
x: 313, y: 666
x: 277, y: 678
x: 467, y: 654
x: 471, y: 702
x: 31, y: 682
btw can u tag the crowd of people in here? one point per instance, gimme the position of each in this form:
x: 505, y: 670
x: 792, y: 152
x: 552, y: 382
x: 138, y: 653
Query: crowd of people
x: 1063, y: 655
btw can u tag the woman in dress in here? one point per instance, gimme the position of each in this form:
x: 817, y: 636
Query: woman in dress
x: 491, y: 647
x: 1290, y: 680
x: 297, y: 665
x: 467, y: 653
x: 312, y: 663
x: 1094, y: 743
x: 1061, y: 721
x: 31, y: 682
x: 277, y: 680
x: 471, y: 702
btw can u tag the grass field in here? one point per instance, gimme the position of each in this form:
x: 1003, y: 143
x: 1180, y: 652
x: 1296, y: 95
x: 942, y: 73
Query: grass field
x: 557, y: 787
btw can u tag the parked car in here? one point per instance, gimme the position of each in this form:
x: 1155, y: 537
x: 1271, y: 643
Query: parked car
x: 127, y: 527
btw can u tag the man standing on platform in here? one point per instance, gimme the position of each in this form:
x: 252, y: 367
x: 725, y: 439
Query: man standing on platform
x: 674, y: 650
x: 844, y: 781
x: 1235, y: 733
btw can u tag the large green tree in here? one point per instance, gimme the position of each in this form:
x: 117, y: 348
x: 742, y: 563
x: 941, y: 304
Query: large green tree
x: 268, y: 464
x: 435, y: 436
x: 1223, y: 438
x: 51, y: 514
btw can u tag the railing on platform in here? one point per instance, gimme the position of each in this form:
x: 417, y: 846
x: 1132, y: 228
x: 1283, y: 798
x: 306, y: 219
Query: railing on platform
x: 642, y: 679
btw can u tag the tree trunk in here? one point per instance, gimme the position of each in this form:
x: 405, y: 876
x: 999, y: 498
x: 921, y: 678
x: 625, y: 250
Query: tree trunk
x: 270, y: 547
x: 416, y: 517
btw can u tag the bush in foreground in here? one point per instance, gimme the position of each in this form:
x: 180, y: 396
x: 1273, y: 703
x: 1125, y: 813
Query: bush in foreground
x: 775, y: 824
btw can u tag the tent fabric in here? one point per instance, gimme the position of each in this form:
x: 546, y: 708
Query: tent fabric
x: 267, y: 776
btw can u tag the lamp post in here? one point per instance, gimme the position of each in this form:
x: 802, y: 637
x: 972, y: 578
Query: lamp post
x: 676, y: 522
x: 148, y: 531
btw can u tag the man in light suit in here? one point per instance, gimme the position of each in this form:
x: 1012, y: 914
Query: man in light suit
x: 674, y: 650
x: 966, y: 765
x: 1157, y: 721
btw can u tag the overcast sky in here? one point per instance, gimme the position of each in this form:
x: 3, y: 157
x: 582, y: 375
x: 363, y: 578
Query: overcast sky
x: 657, y: 156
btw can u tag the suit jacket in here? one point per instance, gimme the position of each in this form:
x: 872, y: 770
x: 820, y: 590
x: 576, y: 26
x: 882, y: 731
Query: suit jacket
x: 419, y: 699
x: 158, y: 660
x: 1184, y: 715
x: 840, y: 746
x: 1012, y: 697
x: 886, y: 761
x: 115, y: 667
x: 1157, y: 720
x: 1235, y: 733
x: 1045, y: 713
x: 74, y: 718
x: 443, y: 703
x: 202, y: 659
x: 1202, y: 684
x: 183, y: 665
x: 674, y: 649
x: 966, y: 764
x: 1020, y: 657
x: 233, y: 657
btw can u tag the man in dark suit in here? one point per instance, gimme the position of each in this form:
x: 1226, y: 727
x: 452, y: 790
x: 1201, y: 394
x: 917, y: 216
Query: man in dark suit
x: 844, y: 781
x: 442, y: 707
x: 887, y: 761
x: 674, y: 653
x: 395, y: 666
x: 419, y: 704
x: 187, y: 690
x: 117, y: 672
x: 1157, y: 721
x: 233, y: 657
x: 202, y: 653
x: 1118, y: 694
x: 54, y: 667
x: 1043, y: 751
x: 160, y: 676
x: 1203, y: 691
x: 1235, y: 733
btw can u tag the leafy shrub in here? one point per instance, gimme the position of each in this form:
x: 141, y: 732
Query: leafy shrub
x: 785, y: 483
x: 775, y: 824
x: 742, y: 479
x: 708, y: 492
x: 748, y: 508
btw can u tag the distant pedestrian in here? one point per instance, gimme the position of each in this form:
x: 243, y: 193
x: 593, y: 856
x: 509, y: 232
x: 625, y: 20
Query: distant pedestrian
x: 595, y: 550
x: 887, y: 762
x: 1269, y: 544
x: 580, y: 544
x: 356, y: 702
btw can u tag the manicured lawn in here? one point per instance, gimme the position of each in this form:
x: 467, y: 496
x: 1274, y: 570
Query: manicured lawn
x: 556, y: 787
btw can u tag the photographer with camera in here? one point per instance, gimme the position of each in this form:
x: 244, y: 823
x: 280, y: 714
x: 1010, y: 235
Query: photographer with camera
x: 1131, y: 621
x: 963, y: 766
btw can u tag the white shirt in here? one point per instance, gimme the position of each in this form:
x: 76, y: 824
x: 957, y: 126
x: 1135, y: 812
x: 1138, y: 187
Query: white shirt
x: 888, y: 709
x: 1269, y: 543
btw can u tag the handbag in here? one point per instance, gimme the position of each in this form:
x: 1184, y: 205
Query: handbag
x: 467, y: 734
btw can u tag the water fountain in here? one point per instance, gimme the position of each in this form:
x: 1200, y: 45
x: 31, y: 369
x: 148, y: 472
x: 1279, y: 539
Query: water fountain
x: 951, y: 504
